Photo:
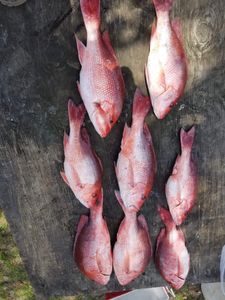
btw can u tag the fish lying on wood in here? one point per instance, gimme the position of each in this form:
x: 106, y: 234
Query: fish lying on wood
x: 92, y: 248
x: 132, y: 250
x: 181, y: 187
x: 101, y: 83
x: 166, y: 69
x: 136, y: 164
x: 82, y: 167
x: 171, y: 257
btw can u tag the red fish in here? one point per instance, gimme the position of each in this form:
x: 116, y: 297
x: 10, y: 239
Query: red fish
x: 166, y: 70
x: 172, y: 257
x: 101, y: 82
x: 136, y: 165
x: 132, y: 250
x: 83, y: 170
x: 181, y: 187
x: 92, y: 248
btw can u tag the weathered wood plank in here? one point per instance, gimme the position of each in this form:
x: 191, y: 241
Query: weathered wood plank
x: 39, y: 68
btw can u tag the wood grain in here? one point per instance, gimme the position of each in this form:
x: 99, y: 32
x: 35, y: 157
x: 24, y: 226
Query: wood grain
x: 38, y: 70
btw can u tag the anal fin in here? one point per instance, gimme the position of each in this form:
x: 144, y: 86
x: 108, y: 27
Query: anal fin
x: 126, y: 132
x: 108, y: 44
x: 64, y: 178
x: 142, y: 221
x: 176, y: 25
x: 80, y: 49
x: 82, y: 222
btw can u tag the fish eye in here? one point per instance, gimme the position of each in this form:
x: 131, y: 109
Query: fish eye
x: 111, y: 121
x: 94, y: 195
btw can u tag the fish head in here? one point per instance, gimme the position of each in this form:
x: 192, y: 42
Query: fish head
x: 162, y: 110
x: 133, y: 200
x: 89, y: 194
x: 104, y: 118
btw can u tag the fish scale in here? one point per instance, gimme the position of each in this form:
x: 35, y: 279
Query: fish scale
x: 166, y: 69
x: 181, y: 187
x: 136, y: 164
x: 82, y: 169
x: 135, y: 171
x: 132, y: 250
x: 101, y: 83
x: 171, y: 256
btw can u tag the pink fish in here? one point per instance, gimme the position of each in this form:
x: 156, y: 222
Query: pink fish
x: 92, y: 248
x: 136, y: 165
x: 172, y: 257
x: 166, y: 70
x: 181, y: 187
x: 101, y: 82
x: 132, y: 250
x: 83, y: 170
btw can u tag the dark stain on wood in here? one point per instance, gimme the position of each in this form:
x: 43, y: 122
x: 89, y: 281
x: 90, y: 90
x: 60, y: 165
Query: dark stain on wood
x: 38, y: 71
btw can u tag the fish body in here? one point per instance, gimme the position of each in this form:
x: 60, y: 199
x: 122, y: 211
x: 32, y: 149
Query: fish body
x: 172, y: 257
x: 181, y: 187
x: 82, y: 167
x: 92, y: 248
x: 132, y: 250
x: 166, y: 69
x: 136, y: 164
x: 101, y: 83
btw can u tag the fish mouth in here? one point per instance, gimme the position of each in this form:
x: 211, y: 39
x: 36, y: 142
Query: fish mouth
x: 103, y: 134
x: 105, y: 278
x: 106, y: 275
x: 159, y: 114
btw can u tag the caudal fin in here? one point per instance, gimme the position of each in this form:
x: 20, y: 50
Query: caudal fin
x: 91, y: 13
x: 187, y: 138
x: 163, y: 5
x: 76, y: 117
x: 141, y: 106
x: 166, y: 217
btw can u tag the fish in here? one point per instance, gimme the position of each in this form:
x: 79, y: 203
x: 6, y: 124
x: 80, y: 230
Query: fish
x: 181, y: 187
x: 92, y: 248
x: 82, y: 167
x: 171, y: 257
x: 101, y: 83
x: 136, y: 165
x: 132, y: 250
x: 166, y: 68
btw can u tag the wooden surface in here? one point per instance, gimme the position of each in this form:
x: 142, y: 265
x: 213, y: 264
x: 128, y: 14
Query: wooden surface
x: 38, y: 70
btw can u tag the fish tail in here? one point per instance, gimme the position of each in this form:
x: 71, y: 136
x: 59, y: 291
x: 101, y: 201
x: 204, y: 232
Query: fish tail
x: 76, y: 115
x: 166, y: 217
x: 141, y: 106
x: 163, y: 5
x: 187, y: 138
x: 91, y: 14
